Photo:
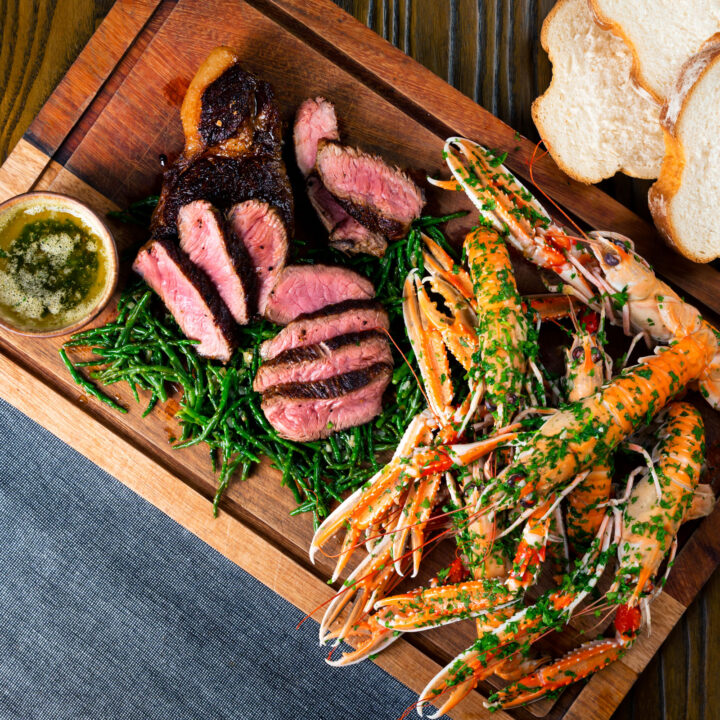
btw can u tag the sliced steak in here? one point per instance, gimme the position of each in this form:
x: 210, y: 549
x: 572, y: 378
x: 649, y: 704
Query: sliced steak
x: 263, y: 233
x: 335, y: 356
x: 351, y: 237
x: 302, y: 289
x: 315, y: 120
x: 189, y: 296
x: 328, y: 210
x: 350, y: 316
x: 346, y: 233
x: 308, y: 411
x: 232, y: 154
x: 378, y: 196
x: 213, y: 246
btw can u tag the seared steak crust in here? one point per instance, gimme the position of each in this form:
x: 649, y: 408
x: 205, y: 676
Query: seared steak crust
x: 332, y: 387
x: 267, y: 134
x: 226, y: 104
x: 316, y: 352
x: 224, y: 182
x: 329, y: 311
x: 373, y: 220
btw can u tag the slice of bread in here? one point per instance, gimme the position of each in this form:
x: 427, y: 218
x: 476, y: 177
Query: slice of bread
x: 662, y: 35
x: 593, y: 119
x: 684, y: 201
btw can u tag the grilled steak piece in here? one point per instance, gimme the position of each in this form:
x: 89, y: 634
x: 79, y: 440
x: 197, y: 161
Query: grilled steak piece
x: 330, y: 213
x: 349, y: 316
x: 308, y: 411
x: 233, y: 143
x: 346, y: 233
x: 302, y: 289
x: 351, y: 237
x: 335, y: 356
x: 232, y: 154
x: 189, y: 296
x: 227, y: 111
x: 213, y: 246
x: 378, y: 196
x: 265, y: 238
x: 315, y: 120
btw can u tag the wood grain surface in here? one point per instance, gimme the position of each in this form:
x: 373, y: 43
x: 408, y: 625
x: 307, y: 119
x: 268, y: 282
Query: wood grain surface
x: 488, y: 49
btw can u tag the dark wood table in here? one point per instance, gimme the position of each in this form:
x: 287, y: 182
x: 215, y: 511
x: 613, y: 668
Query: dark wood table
x: 488, y: 49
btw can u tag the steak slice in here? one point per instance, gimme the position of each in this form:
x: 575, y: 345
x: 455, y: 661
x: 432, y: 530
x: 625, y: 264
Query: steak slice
x: 214, y: 247
x: 309, y: 411
x: 335, y: 356
x: 351, y: 237
x: 190, y: 296
x: 315, y: 120
x: 329, y: 211
x: 349, y: 316
x: 302, y: 289
x: 346, y: 233
x: 378, y: 196
x: 265, y: 238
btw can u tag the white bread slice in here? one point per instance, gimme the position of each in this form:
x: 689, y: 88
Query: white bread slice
x: 684, y: 201
x: 593, y: 119
x: 662, y: 35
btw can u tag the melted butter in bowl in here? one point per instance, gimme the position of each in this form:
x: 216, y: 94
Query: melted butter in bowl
x: 58, y: 264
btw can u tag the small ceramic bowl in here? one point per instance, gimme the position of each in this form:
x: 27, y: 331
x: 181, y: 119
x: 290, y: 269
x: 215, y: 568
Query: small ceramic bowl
x: 57, y: 201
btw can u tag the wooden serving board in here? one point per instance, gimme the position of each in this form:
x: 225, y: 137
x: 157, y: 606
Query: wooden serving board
x: 99, y: 137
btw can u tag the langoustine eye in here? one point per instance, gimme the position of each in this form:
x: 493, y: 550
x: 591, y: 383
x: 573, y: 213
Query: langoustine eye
x: 611, y: 259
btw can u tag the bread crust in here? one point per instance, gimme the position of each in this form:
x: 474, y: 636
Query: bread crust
x: 617, y: 29
x: 534, y: 107
x: 669, y: 181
